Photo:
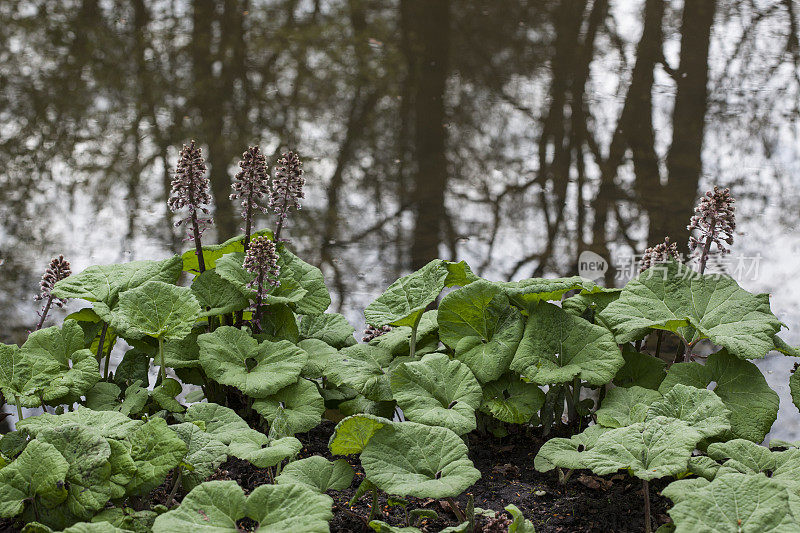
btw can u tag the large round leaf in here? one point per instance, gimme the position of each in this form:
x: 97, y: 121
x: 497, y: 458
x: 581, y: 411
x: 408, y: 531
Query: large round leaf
x: 558, y: 347
x: 220, y: 422
x: 694, y: 306
x: 260, y: 450
x: 155, y: 450
x: 156, y: 309
x: 437, y: 391
x: 39, y: 472
x: 530, y: 291
x: 203, y: 453
x: 624, y: 406
x: 332, y: 328
x: 108, y: 424
x: 568, y: 453
x: 397, y: 341
x: 363, y: 368
x: 478, y: 322
x: 409, y: 459
x: 703, y: 410
x: 352, y: 434
x: 213, y: 507
x: 404, y: 301
x: 319, y: 353
x: 299, y: 404
x: 232, y: 357
x: 217, y: 296
x: 318, y: 473
x: 291, y: 507
x: 511, y: 400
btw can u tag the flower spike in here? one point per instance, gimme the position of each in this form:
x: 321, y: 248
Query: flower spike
x: 287, y: 188
x: 715, y: 221
x: 660, y: 253
x: 59, y: 269
x: 261, y: 259
x: 251, y: 184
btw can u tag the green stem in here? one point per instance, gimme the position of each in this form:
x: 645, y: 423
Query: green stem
x: 41, y: 400
x: 100, y: 344
x: 375, y: 504
x: 175, y: 486
x: 456, y: 510
x: 19, y: 407
x: 646, y: 490
x: 660, y: 336
x: 576, y: 398
x: 163, y: 370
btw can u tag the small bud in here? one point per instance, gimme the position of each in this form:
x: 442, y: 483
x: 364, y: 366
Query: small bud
x: 371, y: 332
x: 660, y: 253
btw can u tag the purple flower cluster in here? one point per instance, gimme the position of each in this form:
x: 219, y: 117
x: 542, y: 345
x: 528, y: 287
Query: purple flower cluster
x: 715, y: 222
x: 660, y: 253
x: 371, y: 332
x: 250, y: 184
x: 59, y: 269
x: 190, y: 189
x: 261, y: 259
x: 287, y: 188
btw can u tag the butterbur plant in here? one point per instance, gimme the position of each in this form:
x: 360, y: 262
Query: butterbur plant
x: 250, y: 185
x: 190, y: 190
x: 372, y: 332
x: 714, y: 221
x: 660, y: 253
x: 261, y: 259
x: 287, y: 188
x: 59, y: 269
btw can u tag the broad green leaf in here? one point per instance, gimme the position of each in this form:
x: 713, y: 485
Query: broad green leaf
x: 103, y: 396
x: 701, y: 409
x: 278, y: 323
x: 105, y: 283
x: 652, y: 449
x: 135, y: 366
x: 511, y: 400
x: 704, y: 466
x: 165, y: 394
x: 459, y: 274
x: 108, y: 424
x: 794, y: 388
x: 360, y: 404
x: 216, y: 295
x: 352, y: 434
x: 362, y: 367
x: 397, y: 341
x: 156, y: 309
x: 318, y: 473
x: 478, y: 322
x: 203, y: 452
x: 404, y: 301
x: 300, y: 403
x: 558, y: 347
x: 530, y: 291
x: 213, y: 507
x: 520, y: 523
x: 695, y: 307
x: 155, y: 450
x: 593, y: 302
x: 94, y: 527
x: 625, y: 406
x: 739, y: 384
x: 437, y: 391
x: 232, y: 357
x: 640, y: 369
x: 215, y: 251
x: 260, y: 450
x: 781, y: 345
x: 382, y: 527
x: 410, y: 459
x: 38, y: 473
x: 220, y: 422
x: 332, y: 328
x: 17, y: 378
x: 184, y: 353
x: 281, y: 508
x: 568, y: 453
x: 127, y: 519
x: 746, y: 457
x: 735, y: 503
x: 319, y: 353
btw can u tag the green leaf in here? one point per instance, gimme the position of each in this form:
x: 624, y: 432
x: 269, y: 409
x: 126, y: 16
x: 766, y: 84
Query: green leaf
x: 105, y: 283
x: 231, y: 357
x: 558, y: 347
x: 156, y: 309
x: 437, y: 391
x: 203, y: 452
x: 640, y: 369
x: 362, y: 367
x: 568, y: 453
x: 353, y: 433
x: 278, y: 323
x: 319, y: 353
x: 478, y: 322
x: 520, y: 523
x: 794, y: 388
x: 38, y: 473
x: 594, y: 301
x: 127, y: 519
x: 459, y: 274
x: 261, y: 451
x: 216, y: 295
x: 404, y: 301
x: 734, y: 503
x: 281, y: 508
x: 625, y: 406
x: 215, y: 251
x: 213, y: 507
x: 530, y: 291
x: 165, y: 394
x: 184, y: 353
x: 695, y: 307
x: 397, y: 341
x: 359, y: 405
x: 135, y: 366
x: 300, y: 403
x: 410, y: 459
x: 383, y: 527
x: 108, y: 424
x: 703, y: 410
x: 318, y: 473
x: 155, y: 451
x: 220, y: 422
x: 332, y: 328
x: 511, y: 400
x: 739, y: 384
x: 14, y: 375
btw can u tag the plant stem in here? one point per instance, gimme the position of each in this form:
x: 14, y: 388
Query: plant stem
x: 44, y: 313
x: 660, y: 337
x: 279, y: 228
x: 707, y: 246
x: 19, y: 407
x: 248, y: 220
x: 175, y: 485
x: 198, y: 247
x: 456, y: 510
x: 41, y: 400
x: 100, y: 344
x: 375, y: 504
x: 162, y: 371
x: 646, y: 490
x: 576, y: 398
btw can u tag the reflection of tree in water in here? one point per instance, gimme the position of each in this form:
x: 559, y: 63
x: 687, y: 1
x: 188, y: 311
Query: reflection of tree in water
x: 514, y: 134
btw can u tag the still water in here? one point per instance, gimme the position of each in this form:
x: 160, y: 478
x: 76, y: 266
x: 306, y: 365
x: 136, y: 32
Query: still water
x: 512, y: 134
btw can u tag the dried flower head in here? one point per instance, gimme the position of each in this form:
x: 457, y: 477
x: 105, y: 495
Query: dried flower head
x: 371, y: 332
x: 261, y: 259
x: 287, y: 188
x: 715, y: 221
x: 660, y: 253
x: 251, y: 183
x: 59, y: 269
x: 190, y: 189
